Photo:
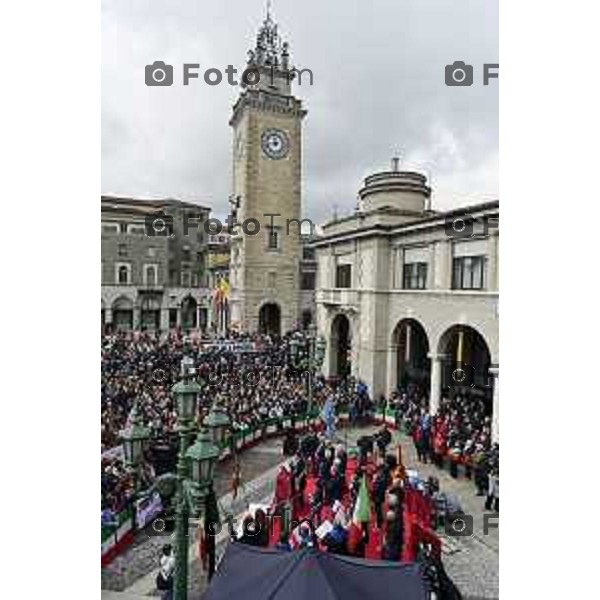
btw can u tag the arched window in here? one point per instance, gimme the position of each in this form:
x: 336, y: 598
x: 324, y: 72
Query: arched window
x: 123, y: 275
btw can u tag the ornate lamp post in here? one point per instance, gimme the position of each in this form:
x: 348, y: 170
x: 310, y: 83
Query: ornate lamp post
x: 307, y: 353
x: 194, y: 473
x: 218, y: 424
x: 135, y: 440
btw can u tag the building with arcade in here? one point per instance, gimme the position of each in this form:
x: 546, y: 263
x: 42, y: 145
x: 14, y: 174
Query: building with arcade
x: 406, y: 294
x: 151, y: 280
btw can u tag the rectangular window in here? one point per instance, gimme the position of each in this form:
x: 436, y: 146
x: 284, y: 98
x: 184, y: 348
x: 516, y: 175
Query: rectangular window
x: 136, y: 229
x: 307, y: 281
x: 110, y: 228
x: 343, y: 276
x: 151, y: 275
x: 122, y: 249
x: 272, y: 238
x: 186, y: 255
x: 415, y: 276
x: 468, y: 273
x: 185, y: 279
x: 308, y: 253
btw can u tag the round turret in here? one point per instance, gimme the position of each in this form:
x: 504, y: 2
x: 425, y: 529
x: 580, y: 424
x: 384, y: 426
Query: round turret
x: 401, y: 190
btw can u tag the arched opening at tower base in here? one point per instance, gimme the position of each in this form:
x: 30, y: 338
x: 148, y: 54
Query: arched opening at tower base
x: 269, y: 319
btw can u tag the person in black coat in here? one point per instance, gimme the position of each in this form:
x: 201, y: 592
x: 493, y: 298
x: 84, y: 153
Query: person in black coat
x: 379, y: 490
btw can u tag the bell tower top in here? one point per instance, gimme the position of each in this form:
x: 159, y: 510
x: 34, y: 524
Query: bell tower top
x: 269, y: 60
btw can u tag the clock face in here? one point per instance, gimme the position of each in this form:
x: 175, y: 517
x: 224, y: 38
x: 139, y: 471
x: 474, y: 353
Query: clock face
x: 275, y: 143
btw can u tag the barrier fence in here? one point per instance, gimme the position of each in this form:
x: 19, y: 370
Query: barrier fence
x: 116, y: 538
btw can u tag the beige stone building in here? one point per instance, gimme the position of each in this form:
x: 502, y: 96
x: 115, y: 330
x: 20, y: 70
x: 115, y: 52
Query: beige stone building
x: 266, y: 199
x: 406, y: 294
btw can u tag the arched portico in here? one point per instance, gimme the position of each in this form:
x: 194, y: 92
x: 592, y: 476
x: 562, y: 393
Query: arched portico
x: 409, y: 356
x: 150, y: 313
x: 189, y: 309
x: 122, y: 313
x: 269, y: 319
x: 340, y: 346
x: 461, y: 365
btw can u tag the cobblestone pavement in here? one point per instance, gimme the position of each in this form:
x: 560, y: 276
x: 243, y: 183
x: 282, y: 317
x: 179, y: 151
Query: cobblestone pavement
x: 471, y: 562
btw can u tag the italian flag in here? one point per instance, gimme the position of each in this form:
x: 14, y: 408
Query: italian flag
x: 362, y: 508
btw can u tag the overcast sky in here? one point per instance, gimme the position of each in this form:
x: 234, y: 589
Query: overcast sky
x: 378, y: 88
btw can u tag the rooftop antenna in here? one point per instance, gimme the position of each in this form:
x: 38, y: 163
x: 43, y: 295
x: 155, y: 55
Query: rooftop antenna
x: 268, y: 10
x: 396, y: 162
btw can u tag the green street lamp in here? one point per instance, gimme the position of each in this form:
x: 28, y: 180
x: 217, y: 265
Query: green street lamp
x: 202, y: 458
x: 186, y: 395
x: 135, y: 440
x: 218, y: 423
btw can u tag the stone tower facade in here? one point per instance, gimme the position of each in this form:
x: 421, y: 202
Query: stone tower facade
x: 267, y: 151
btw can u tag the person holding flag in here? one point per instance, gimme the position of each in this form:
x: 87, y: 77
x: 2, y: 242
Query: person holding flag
x: 358, y: 535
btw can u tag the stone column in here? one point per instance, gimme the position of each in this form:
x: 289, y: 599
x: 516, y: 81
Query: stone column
x: 137, y: 318
x: 492, y: 283
x: 210, y: 324
x: 443, y: 265
x: 164, y: 319
x: 108, y: 316
x: 198, y: 307
x: 495, y: 373
x: 392, y: 366
x: 435, y: 390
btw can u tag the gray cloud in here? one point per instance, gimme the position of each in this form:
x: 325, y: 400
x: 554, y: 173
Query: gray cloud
x: 378, y: 86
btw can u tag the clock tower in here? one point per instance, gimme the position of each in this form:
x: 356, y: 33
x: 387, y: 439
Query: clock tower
x: 266, y: 199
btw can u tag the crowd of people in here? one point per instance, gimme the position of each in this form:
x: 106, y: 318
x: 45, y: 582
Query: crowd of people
x: 251, y: 376
x: 459, y: 431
